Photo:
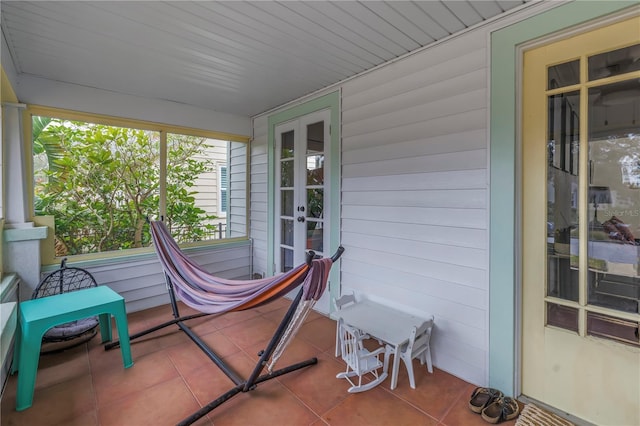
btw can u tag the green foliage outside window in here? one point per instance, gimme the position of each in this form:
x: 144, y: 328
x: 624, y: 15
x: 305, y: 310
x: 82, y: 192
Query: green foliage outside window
x: 101, y: 183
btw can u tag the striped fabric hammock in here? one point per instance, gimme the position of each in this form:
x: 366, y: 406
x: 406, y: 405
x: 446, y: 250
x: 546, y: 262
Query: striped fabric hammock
x: 211, y: 295
x: 207, y: 293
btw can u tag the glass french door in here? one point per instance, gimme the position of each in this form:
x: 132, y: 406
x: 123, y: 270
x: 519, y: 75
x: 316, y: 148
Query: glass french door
x: 581, y: 224
x: 301, y: 189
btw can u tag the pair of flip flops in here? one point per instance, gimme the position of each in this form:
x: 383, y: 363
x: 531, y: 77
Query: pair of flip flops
x: 492, y: 405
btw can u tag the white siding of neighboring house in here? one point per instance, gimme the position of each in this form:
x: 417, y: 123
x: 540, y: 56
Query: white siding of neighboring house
x: 414, y: 194
x: 237, y: 174
x: 233, y: 155
x: 207, y: 183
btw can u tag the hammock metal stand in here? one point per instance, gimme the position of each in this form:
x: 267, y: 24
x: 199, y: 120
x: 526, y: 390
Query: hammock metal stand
x: 241, y: 385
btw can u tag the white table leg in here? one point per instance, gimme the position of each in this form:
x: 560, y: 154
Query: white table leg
x: 396, y: 367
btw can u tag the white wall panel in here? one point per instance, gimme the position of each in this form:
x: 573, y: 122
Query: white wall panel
x: 259, y: 178
x: 454, y: 123
x: 459, y: 75
x: 443, y: 103
x: 422, y: 283
x: 459, y: 179
x: 422, y: 63
x: 461, y: 198
x: 466, y: 160
x: 456, y: 142
x: 415, y: 195
x: 449, y: 272
x: 463, y: 237
x: 463, y: 218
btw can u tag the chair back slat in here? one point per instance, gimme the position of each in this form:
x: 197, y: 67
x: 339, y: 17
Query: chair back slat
x: 344, y: 300
x: 420, y: 336
x: 351, y: 344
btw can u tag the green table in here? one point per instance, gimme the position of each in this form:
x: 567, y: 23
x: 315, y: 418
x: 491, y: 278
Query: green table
x: 39, y: 315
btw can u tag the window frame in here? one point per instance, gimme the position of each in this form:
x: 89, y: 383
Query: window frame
x: 47, y: 251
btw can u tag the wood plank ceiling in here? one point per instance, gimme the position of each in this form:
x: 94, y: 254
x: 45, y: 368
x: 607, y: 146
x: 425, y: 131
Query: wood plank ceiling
x: 240, y: 57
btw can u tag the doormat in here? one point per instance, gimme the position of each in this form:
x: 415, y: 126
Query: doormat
x: 536, y: 416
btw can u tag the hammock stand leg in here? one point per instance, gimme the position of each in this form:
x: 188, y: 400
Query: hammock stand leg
x: 179, y: 321
x: 116, y: 343
x: 237, y: 389
x: 255, y: 378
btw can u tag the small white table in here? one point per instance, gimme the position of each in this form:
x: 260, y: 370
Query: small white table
x: 382, y: 323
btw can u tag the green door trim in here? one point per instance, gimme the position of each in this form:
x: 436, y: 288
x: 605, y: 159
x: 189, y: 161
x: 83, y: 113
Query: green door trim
x: 330, y: 101
x: 503, y: 279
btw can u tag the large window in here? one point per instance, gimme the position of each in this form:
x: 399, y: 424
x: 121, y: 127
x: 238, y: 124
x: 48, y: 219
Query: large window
x: 101, y: 181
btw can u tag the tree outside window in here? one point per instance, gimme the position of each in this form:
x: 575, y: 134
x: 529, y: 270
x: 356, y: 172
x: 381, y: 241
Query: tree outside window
x: 101, y: 183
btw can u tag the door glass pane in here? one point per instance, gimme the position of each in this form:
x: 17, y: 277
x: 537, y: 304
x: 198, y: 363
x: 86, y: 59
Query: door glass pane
x: 314, y: 236
x: 562, y: 196
x: 287, y: 232
x: 315, y: 138
x: 563, y: 75
x: 562, y: 316
x: 286, y: 259
x: 315, y: 169
x: 609, y: 327
x: 286, y: 173
x: 314, y: 186
x: 614, y: 196
x: 314, y: 202
x: 286, y: 201
x: 613, y: 63
x: 315, y: 153
x: 286, y: 151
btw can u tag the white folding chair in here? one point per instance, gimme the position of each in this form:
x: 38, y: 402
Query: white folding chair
x: 418, y: 347
x: 341, y: 301
x: 360, y: 361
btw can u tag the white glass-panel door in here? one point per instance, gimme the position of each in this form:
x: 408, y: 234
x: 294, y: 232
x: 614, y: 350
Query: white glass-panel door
x: 301, y: 188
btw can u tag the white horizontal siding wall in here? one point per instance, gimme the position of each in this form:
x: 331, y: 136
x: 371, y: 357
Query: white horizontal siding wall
x: 414, y: 194
x: 258, y: 192
x: 141, y: 282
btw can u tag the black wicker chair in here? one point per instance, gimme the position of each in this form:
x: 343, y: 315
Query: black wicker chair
x: 73, y: 333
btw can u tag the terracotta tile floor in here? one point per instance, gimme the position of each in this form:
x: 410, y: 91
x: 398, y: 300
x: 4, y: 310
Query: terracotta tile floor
x: 172, y: 378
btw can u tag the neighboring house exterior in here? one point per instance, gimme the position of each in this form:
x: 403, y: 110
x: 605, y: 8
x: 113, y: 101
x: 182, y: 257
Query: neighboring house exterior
x: 208, y: 184
x: 425, y: 183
